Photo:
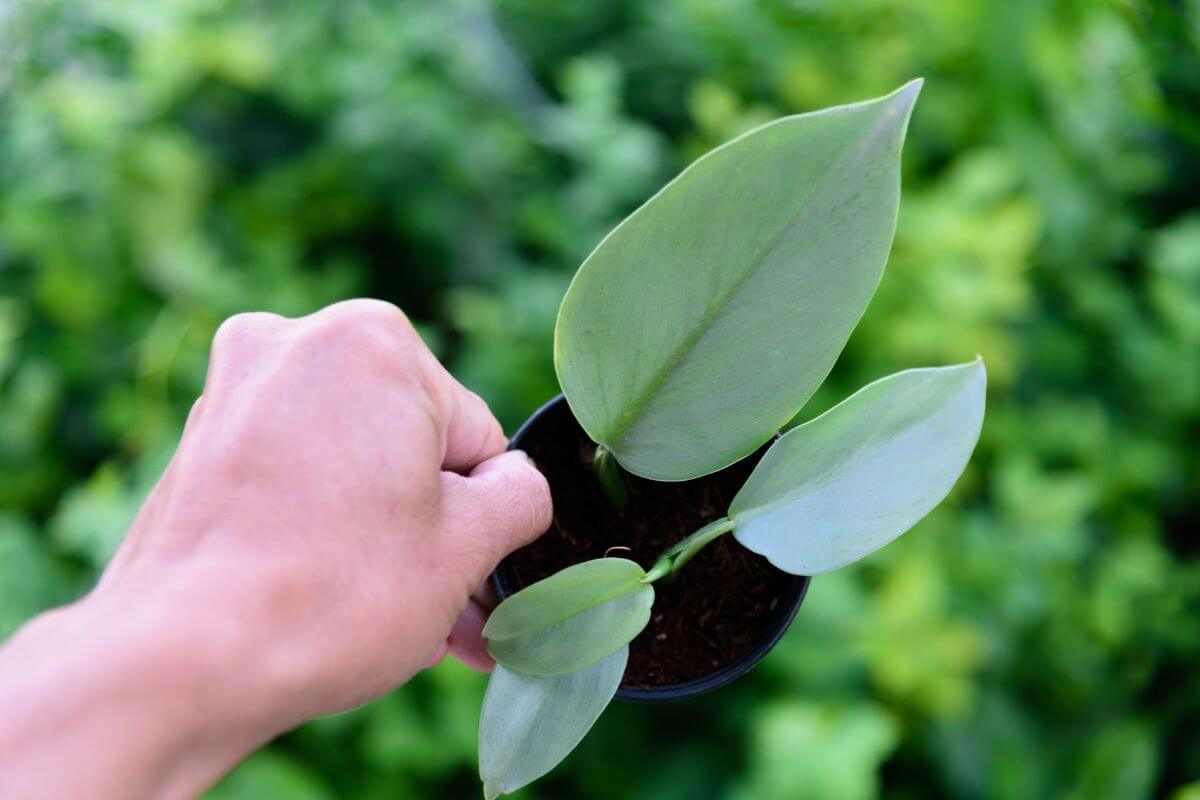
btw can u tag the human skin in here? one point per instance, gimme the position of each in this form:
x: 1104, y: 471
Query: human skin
x: 335, y: 499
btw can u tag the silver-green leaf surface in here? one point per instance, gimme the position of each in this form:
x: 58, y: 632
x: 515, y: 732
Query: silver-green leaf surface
x: 572, y: 619
x: 707, y: 318
x: 845, y: 484
x: 531, y: 722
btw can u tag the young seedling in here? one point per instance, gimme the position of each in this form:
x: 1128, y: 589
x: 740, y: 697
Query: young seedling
x: 695, y: 331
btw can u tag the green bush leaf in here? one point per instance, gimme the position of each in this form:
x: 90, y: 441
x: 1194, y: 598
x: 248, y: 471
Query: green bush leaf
x: 572, y: 619
x: 531, y: 722
x: 845, y: 484
x: 747, y: 272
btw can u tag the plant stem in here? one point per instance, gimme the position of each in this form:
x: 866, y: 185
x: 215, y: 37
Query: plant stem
x: 683, y: 551
x: 611, y: 478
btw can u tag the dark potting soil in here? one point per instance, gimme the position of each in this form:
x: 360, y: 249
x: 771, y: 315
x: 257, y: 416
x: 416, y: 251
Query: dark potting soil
x: 708, y: 616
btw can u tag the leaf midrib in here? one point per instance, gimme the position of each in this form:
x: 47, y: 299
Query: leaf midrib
x: 715, y: 309
x: 607, y: 597
x: 544, y: 699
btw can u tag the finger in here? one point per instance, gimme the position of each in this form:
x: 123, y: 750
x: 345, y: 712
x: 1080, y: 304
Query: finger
x: 472, y: 434
x: 466, y: 638
x: 503, y: 504
x: 469, y: 432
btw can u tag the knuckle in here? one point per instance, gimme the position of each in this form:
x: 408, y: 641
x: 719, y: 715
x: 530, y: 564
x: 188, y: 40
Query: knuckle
x: 375, y: 325
x: 367, y: 314
x: 243, y: 327
x: 380, y: 311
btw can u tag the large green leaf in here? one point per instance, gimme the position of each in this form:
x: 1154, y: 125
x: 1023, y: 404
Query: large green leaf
x: 845, y: 484
x: 531, y: 722
x: 572, y: 619
x: 706, y: 319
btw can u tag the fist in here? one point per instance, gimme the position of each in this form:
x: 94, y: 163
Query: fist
x: 335, y: 499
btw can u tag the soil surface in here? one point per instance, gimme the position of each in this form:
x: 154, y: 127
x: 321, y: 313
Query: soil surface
x: 713, y: 612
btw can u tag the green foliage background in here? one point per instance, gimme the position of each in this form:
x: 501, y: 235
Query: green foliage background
x: 166, y: 163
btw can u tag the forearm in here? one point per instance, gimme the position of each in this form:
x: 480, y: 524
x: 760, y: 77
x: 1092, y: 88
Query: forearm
x: 120, y: 696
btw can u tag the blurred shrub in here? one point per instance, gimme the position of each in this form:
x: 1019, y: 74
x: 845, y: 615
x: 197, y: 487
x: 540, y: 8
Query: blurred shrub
x: 166, y: 164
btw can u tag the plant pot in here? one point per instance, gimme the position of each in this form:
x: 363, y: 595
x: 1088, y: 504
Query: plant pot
x: 713, y: 621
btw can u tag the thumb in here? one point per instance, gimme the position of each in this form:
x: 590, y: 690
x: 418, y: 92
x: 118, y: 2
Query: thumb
x: 502, y: 505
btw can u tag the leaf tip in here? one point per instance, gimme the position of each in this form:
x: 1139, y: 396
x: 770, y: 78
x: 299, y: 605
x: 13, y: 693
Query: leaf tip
x: 901, y: 101
x: 491, y: 791
x: 979, y: 368
x: 970, y: 376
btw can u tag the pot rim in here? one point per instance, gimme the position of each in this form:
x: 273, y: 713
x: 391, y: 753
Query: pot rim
x: 723, y: 676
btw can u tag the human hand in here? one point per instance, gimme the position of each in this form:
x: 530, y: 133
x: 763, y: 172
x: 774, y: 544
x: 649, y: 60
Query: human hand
x: 335, y: 499
x: 339, y: 491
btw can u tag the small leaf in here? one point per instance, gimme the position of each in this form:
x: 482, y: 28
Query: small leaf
x: 747, y: 272
x: 579, y: 641
x: 845, y: 484
x: 531, y: 722
x: 572, y: 619
x: 563, y: 595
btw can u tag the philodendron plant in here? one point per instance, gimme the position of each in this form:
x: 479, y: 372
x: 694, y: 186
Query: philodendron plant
x: 693, y: 333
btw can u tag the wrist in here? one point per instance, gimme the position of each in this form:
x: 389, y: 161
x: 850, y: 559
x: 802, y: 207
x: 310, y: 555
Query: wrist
x: 152, y: 673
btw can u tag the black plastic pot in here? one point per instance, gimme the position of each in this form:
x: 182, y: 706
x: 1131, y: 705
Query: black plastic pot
x: 781, y: 618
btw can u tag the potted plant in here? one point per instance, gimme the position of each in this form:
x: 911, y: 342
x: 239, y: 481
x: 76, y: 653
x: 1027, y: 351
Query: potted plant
x: 685, y: 524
